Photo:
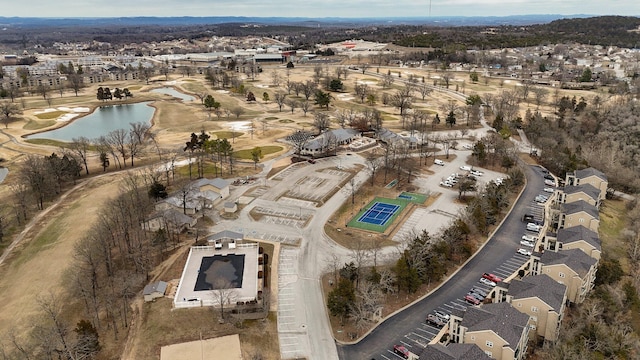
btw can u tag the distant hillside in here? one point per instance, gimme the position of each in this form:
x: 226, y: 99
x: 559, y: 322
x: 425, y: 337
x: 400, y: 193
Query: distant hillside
x: 602, y: 30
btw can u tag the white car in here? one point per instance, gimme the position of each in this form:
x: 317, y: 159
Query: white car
x: 524, y: 252
x: 549, y: 190
x: 550, y: 182
x: 476, y: 172
x: 526, y: 243
x: 446, y: 184
x: 467, y: 146
x: 529, y: 238
x: 533, y: 227
x: 441, y: 315
x: 487, y: 282
x: 465, y: 168
x: 438, y: 162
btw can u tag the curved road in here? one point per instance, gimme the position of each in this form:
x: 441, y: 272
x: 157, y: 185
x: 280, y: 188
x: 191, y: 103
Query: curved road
x: 408, y: 327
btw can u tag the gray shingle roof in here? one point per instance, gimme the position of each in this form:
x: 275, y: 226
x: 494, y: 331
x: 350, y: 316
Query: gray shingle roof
x: 501, y: 318
x: 585, y: 173
x: 578, y: 233
x: 453, y: 351
x: 581, y: 205
x: 588, y: 189
x: 541, y: 286
x: 159, y: 286
x: 172, y: 215
x: 226, y: 234
x: 575, y: 260
x: 217, y: 182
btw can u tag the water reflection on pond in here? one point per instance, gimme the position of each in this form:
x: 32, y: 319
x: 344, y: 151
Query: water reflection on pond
x: 173, y: 92
x: 102, y: 121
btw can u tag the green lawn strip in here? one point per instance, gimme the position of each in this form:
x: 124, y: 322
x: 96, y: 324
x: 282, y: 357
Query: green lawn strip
x: 209, y: 170
x: 50, y: 115
x: 415, y: 197
x: 378, y: 228
x: 36, y: 125
x: 227, y: 134
x: 49, y: 142
x: 46, y: 237
x: 266, y: 150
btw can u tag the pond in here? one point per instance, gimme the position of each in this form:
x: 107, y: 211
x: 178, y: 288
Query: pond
x: 175, y: 93
x: 102, y: 121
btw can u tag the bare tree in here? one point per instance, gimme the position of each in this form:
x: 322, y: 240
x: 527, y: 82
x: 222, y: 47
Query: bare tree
x: 321, y: 121
x: 540, y: 94
x: 304, y: 106
x: 279, y: 98
x: 224, y: 293
x: 293, y: 104
x: 424, y: 90
x: 402, y: 100
x: 309, y: 88
x: 80, y: 147
x: 387, y: 81
x: 373, y: 163
x: 237, y: 111
x: 9, y: 110
x: 362, y: 90
x: 136, y: 139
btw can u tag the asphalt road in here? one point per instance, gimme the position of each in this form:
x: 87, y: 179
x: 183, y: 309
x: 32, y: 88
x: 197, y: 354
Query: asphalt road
x: 498, y: 256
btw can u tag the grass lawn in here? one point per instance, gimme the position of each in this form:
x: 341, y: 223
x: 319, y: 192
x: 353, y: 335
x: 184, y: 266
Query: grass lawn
x: 227, y: 134
x: 612, y: 221
x: 48, y: 142
x: 50, y: 115
x: 266, y: 150
x: 209, y: 170
x: 285, y: 121
x: 36, y: 125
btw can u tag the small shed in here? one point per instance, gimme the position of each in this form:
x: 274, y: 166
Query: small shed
x: 154, y: 290
x: 230, y: 207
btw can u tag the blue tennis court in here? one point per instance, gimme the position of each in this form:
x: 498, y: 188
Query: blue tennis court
x: 379, y: 213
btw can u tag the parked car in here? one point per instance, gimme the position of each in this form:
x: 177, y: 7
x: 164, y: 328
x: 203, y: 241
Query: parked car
x: 527, y: 243
x: 441, y: 315
x: 549, y: 190
x: 529, y: 238
x: 438, y: 162
x: 487, y: 282
x: 476, y: 295
x: 480, y: 291
x: 541, y: 199
x: 471, y: 300
x: 467, y: 146
x: 524, y: 252
x: 436, y: 321
x: 534, y: 227
x: 550, y: 182
x: 476, y: 173
x: 491, y: 277
x: 401, y: 350
x: 465, y: 168
x: 446, y: 184
x: 311, y: 161
x: 218, y: 244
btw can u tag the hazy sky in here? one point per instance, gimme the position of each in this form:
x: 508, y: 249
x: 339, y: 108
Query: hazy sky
x: 314, y: 8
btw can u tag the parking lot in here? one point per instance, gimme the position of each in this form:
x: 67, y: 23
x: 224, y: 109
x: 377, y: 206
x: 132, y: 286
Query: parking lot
x: 290, y: 333
x: 418, y: 338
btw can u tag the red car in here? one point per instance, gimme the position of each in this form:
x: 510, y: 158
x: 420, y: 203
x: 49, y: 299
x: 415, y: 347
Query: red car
x: 401, y: 350
x: 491, y: 277
x: 471, y: 300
